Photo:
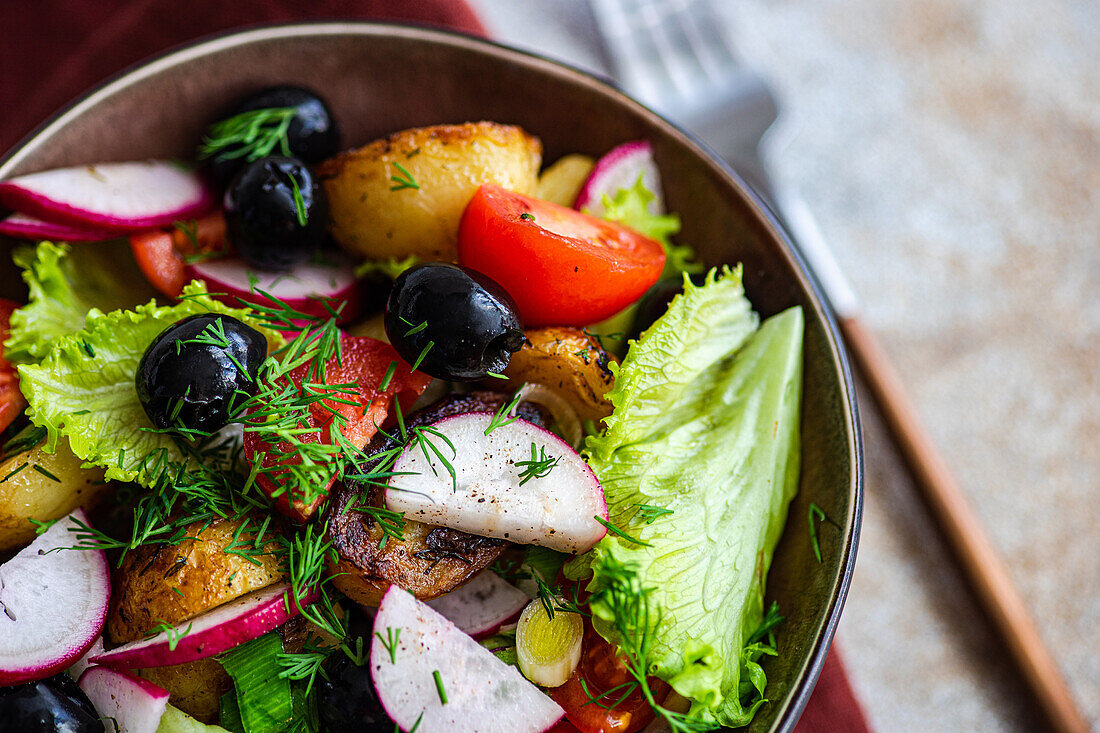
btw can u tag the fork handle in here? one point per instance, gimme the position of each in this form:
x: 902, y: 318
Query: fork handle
x: 968, y: 541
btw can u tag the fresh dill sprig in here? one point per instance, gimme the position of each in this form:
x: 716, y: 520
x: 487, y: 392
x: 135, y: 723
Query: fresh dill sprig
x: 428, y: 448
x: 439, y: 687
x: 650, y: 513
x: 404, y: 180
x: 173, y: 633
x: 391, y: 523
x: 504, y: 415
x: 389, y: 642
x: 618, y: 531
x: 299, y: 202
x: 819, y: 513
x: 249, y: 135
x: 305, y: 664
x: 539, y: 466
x: 621, y: 594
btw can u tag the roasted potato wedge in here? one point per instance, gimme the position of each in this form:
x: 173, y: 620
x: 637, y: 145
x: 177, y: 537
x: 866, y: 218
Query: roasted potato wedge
x: 561, y: 182
x: 176, y: 583
x: 570, y: 362
x: 48, y: 486
x: 404, y: 194
x: 196, y: 688
x: 429, y: 560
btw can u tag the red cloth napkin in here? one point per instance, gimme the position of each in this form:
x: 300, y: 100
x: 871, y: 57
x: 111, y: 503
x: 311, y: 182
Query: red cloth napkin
x: 51, y: 50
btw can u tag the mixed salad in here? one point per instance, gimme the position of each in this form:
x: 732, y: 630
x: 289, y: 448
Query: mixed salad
x: 417, y: 436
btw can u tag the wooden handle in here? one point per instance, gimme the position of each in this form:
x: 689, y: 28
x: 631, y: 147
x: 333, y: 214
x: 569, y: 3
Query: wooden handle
x: 972, y: 548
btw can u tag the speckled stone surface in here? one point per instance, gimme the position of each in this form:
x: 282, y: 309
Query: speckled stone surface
x: 951, y: 152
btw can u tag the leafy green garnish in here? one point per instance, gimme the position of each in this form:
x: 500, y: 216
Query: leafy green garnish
x: 632, y: 207
x: 92, y: 401
x: 65, y: 283
x: 249, y: 135
x: 705, y: 425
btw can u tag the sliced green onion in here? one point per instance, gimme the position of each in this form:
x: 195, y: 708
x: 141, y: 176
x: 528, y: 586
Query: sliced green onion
x: 548, y: 649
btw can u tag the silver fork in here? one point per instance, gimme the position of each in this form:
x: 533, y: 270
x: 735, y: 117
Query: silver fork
x: 675, y: 56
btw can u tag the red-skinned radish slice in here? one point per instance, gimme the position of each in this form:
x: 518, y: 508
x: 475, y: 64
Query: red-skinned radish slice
x: 53, y: 604
x: 135, y: 705
x: 119, y: 196
x: 231, y: 278
x: 215, y: 631
x: 483, y: 605
x: 418, y: 659
x: 86, y: 661
x: 498, y: 488
x: 22, y: 226
x: 619, y: 169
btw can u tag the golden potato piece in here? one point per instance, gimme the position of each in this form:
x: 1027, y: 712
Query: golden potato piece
x: 404, y: 194
x: 196, y: 688
x: 42, y: 486
x: 561, y: 182
x: 570, y: 362
x: 176, y: 583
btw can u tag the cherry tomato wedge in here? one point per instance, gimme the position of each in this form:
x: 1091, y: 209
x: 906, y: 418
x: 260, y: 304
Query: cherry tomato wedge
x: 605, y: 677
x: 364, y: 362
x: 12, y: 401
x: 160, y: 253
x: 561, y: 267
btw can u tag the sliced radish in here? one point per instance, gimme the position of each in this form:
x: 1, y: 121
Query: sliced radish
x: 86, y: 661
x: 211, y: 633
x: 135, y: 705
x: 483, y: 605
x: 300, y: 288
x: 27, y: 227
x: 619, y: 169
x: 425, y: 669
x: 53, y: 603
x: 548, y: 647
x: 497, y: 489
x: 120, y: 196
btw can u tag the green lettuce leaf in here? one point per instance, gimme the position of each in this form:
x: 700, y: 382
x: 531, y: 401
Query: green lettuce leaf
x: 84, y: 387
x: 699, y: 462
x: 65, y: 283
x: 631, y: 206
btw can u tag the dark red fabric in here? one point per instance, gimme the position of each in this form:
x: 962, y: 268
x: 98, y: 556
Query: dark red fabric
x: 52, y: 50
x: 833, y: 707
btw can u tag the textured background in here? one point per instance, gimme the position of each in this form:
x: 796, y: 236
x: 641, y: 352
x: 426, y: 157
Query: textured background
x: 951, y: 152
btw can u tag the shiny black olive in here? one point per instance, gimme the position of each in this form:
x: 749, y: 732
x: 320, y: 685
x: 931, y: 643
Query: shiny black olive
x: 346, y: 700
x: 655, y: 302
x: 197, y: 369
x: 312, y: 134
x: 457, y: 323
x: 52, y: 705
x: 276, y: 214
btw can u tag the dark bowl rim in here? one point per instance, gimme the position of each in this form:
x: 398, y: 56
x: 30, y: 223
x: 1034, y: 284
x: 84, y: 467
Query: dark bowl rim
x: 788, y: 717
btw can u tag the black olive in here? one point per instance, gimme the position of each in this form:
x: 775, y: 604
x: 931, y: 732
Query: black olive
x: 655, y: 302
x: 193, y: 371
x: 312, y: 134
x: 276, y: 214
x: 346, y: 700
x: 53, y: 705
x: 462, y: 323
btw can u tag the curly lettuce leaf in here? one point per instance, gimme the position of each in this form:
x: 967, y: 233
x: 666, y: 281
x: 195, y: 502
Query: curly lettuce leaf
x: 65, y: 283
x: 699, y: 462
x: 632, y: 207
x: 84, y: 387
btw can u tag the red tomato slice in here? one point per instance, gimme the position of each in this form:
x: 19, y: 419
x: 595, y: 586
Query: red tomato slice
x: 561, y: 267
x: 602, y: 670
x: 364, y: 363
x: 564, y: 726
x: 12, y: 401
x: 160, y: 252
